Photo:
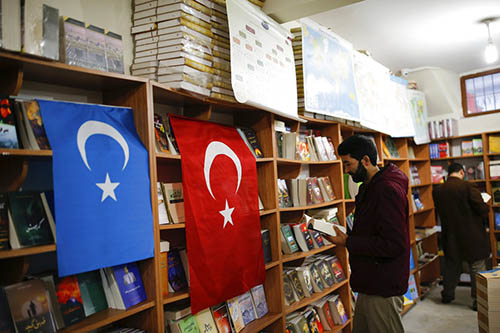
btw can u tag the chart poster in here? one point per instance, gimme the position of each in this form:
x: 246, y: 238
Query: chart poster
x: 371, y: 79
x: 329, y: 84
x: 262, y: 64
x: 400, y: 123
x: 418, y: 109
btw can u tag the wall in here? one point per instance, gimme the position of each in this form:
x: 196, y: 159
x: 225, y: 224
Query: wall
x: 442, y: 92
x: 113, y: 15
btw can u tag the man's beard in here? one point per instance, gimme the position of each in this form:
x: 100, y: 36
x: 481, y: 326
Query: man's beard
x: 360, y: 175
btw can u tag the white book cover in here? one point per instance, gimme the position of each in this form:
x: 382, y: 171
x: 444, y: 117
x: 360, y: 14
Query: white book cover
x: 10, y: 38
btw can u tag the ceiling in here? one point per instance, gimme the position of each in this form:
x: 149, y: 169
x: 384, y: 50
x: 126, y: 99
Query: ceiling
x: 424, y: 33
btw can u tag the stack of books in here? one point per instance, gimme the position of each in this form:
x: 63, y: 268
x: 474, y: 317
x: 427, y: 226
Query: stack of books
x: 299, y: 70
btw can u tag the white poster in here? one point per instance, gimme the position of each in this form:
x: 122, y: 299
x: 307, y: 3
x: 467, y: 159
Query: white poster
x: 418, y: 109
x: 400, y: 123
x: 262, y: 65
x: 329, y: 86
x: 371, y: 79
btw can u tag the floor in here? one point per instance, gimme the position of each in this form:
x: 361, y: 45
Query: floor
x: 431, y: 316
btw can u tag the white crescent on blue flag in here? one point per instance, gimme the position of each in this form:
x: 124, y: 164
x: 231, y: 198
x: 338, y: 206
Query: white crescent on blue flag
x: 102, y: 189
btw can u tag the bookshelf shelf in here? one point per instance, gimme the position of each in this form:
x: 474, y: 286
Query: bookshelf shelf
x: 428, y: 263
x: 176, y: 296
x: 493, y: 154
x: 456, y: 157
x: 323, y: 204
x: 421, y: 185
x: 267, y: 212
x: 264, y: 159
x: 316, y: 296
x: 395, y: 159
x: 340, y: 328
x: 284, y: 161
x: 272, y: 264
x: 259, y: 324
x: 106, y: 317
x: 27, y: 251
x: 416, y: 160
x: 168, y: 156
x: 172, y: 226
x: 477, y: 180
x: 299, y: 255
x: 24, y: 152
x: 425, y: 237
x: 423, y: 210
x: 414, y: 271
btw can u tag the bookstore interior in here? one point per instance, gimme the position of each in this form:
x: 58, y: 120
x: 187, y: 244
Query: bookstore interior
x: 229, y: 124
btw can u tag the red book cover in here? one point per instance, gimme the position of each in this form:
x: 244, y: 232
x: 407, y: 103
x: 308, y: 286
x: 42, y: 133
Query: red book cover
x: 221, y: 318
x: 337, y: 270
x: 70, y: 300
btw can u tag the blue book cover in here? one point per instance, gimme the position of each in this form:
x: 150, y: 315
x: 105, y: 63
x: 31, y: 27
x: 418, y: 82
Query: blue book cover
x: 247, y: 308
x: 497, y: 220
x: 412, y: 262
x: 130, y: 284
x: 176, y: 275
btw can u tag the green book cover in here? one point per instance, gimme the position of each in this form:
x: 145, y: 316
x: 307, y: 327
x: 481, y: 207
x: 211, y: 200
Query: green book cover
x: 188, y: 325
x: 29, y: 218
x: 93, y: 297
x: 288, y: 234
x: 347, y: 195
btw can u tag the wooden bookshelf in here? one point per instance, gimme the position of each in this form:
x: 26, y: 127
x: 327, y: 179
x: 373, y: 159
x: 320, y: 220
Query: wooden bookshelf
x: 27, y: 251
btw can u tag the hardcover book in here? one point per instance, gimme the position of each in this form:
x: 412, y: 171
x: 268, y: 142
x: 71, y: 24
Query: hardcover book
x: 4, y: 222
x: 176, y: 275
x: 93, y: 297
x: 236, y: 316
x: 221, y: 318
x: 164, y: 273
x: 252, y: 141
x: 70, y: 300
x: 187, y: 324
x: 8, y: 133
x: 175, y: 201
x: 29, y: 307
x: 131, y: 288
x: 288, y: 290
x: 163, y: 216
x: 28, y: 225
x: 297, y: 286
x: 316, y: 278
x: 305, y: 279
x: 259, y: 300
x: 205, y: 321
x: 287, y: 241
x: 266, y: 244
x: 246, y: 308
x: 325, y: 272
x: 33, y: 124
x: 336, y: 267
x: 160, y: 134
x: 303, y: 237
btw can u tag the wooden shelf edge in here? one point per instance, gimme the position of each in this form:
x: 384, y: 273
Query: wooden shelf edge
x: 267, y: 211
x: 167, y: 156
x: 172, y: 226
x: 281, y: 160
x: 313, y: 298
x: 421, y: 185
x: 259, y: 324
x: 176, y: 296
x: 272, y: 264
x: 396, y: 159
x: 419, y: 159
x: 299, y: 255
x: 423, y: 210
x: 25, y: 152
x: 27, y: 251
x: 456, y: 157
x: 107, y: 317
x: 264, y: 159
x: 421, y: 267
x: 340, y: 328
x: 324, y: 204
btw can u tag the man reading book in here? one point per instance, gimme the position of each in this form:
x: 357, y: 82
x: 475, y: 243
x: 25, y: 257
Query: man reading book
x: 379, y: 242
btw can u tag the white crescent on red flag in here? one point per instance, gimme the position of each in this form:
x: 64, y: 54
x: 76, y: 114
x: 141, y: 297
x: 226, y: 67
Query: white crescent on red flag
x: 222, y: 212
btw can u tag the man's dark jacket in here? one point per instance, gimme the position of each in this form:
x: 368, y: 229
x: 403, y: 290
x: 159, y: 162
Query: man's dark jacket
x: 379, y: 243
x: 461, y: 210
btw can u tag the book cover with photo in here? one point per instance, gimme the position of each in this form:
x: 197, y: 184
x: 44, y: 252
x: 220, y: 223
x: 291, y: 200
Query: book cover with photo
x: 70, y: 300
x: 129, y: 281
x: 8, y: 133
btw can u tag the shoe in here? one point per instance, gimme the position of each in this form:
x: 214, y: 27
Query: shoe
x: 446, y: 300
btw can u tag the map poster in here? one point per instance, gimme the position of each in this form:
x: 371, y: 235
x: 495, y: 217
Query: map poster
x: 418, y: 109
x: 400, y: 122
x: 262, y: 64
x: 371, y: 79
x: 329, y: 86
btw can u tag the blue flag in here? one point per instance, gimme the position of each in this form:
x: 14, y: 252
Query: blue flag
x: 102, y: 190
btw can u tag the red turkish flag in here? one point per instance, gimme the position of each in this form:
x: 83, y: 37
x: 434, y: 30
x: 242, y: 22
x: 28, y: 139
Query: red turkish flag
x: 224, y: 244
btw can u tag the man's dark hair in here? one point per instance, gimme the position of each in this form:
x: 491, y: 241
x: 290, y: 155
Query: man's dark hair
x: 454, y: 167
x: 358, y: 146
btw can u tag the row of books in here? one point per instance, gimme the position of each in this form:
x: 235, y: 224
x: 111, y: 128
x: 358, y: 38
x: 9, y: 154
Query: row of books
x: 389, y: 148
x: 83, y: 44
x: 470, y: 147
x: 423, y: 256
x: 305, y: 146
x: 443, y: 128
x: 300, y: 192
x: 165, y: 139
x: 26, y: 219
x: 421, y: 233
x: 317, y: 273
x: 21, y: 125
x: 170, y: 203
x: 322, y: 315
x: 184, y: 44
x: 230, y: 316
x: 50, y: 303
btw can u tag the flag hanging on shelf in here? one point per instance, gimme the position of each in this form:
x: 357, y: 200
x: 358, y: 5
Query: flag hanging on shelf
x: 101, y: 186
x: 222, y: 212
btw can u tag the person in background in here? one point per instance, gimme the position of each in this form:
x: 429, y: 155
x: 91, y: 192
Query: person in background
x: 379, y: 243
x: 461, y: 210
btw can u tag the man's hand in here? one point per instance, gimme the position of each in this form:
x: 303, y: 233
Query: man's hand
x: 339, y: 239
